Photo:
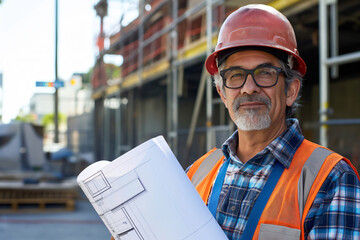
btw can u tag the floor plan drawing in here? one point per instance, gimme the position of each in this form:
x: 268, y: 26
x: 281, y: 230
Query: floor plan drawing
x: 145, y: 195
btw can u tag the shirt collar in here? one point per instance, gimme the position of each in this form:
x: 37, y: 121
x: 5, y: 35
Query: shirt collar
x: 283, y: 147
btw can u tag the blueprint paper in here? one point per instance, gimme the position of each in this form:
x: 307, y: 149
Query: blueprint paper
x: 146, y: 195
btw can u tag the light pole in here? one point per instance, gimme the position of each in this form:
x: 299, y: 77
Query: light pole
x: 56, y: 97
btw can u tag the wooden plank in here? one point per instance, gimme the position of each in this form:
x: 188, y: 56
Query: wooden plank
x: 35, y: 205
x: 37, y: 199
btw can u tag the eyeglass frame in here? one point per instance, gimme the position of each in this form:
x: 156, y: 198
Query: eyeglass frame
x: 251, y: 71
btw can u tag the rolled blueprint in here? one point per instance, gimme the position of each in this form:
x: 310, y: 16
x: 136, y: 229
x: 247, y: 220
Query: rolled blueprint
x: 146, y: 195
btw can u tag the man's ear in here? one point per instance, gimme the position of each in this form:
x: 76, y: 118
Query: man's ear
x: 223, y: 98
x: 293, y: 92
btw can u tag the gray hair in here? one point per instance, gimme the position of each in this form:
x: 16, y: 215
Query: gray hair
x: 290, y: 76
x: 218, y: 81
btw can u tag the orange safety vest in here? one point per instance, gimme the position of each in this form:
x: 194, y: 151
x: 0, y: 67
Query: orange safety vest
x: 285, y: 212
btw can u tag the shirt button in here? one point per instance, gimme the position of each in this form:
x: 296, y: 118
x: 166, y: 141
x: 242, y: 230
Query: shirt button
x: 233, y: 208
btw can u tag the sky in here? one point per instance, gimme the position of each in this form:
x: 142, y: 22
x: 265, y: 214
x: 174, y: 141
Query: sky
x: 27, y: 44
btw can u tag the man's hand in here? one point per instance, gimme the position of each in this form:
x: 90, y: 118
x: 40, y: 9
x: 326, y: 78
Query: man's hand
x: 112, y: 238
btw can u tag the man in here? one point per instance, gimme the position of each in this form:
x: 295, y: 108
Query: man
x: 268, y: 182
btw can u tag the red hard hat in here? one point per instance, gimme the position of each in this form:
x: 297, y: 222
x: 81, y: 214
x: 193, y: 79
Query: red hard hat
x: 256, y: 25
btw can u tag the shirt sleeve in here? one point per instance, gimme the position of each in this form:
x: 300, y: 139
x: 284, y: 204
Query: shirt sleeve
x: 335, y: 213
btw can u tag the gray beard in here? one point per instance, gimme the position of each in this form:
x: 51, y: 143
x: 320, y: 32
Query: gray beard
x: 252, y: 119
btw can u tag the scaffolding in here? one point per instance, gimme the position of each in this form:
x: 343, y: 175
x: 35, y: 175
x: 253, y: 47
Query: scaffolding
x: 332, y: 62
x: 136, y: 43
x: 164, y: 85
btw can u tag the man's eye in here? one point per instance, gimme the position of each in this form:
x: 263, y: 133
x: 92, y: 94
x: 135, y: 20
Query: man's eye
x: 238, y: 75
x: 265, y: 72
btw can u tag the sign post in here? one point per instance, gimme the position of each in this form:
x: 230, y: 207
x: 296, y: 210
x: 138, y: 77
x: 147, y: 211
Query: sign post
x: 57, y: 84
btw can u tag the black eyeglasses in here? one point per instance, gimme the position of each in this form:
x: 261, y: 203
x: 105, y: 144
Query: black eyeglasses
x: 235, y: 77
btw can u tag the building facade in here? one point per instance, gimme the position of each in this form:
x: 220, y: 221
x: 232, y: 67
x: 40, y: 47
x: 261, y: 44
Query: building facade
x: 164, y: 89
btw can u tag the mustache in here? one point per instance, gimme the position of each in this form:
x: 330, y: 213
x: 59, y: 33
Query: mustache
x: 251, y: 98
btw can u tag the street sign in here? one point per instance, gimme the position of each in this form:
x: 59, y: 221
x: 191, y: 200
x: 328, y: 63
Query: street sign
x: 56, y: 84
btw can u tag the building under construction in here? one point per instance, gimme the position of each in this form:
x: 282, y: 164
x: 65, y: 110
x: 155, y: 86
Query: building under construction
x: 165, y: 90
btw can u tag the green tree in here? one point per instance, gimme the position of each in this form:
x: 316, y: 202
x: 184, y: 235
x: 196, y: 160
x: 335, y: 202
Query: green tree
x: 112, y: 71
x: 21, y: 117
x: 48, y: 119
x: 86, y: 77
x: 25, y: 118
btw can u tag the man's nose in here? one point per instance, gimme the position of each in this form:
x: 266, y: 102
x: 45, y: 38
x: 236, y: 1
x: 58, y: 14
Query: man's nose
x: 250, y: 86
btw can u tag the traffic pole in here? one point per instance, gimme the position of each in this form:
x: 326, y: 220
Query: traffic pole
x: 56, y: 97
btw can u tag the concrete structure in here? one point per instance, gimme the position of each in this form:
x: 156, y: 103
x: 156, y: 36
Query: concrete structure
x: 164, y: 89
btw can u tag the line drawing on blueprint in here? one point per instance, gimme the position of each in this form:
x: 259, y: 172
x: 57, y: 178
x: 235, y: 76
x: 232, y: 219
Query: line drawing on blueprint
x: 146, y: 195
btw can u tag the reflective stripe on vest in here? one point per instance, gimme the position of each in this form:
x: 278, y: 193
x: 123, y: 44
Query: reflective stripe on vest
x: 206, y: 166
x: 308, y: 174
x: 287, y: 207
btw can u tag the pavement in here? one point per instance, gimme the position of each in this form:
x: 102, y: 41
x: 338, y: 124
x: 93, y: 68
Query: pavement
x: 81, y: 224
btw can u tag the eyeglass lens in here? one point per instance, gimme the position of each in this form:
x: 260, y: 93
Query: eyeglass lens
x: 263, y: 76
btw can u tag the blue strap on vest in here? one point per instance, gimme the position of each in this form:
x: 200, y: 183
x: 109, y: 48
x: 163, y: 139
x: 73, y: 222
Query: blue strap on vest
x: 260, y: 202
x: 216, y: 190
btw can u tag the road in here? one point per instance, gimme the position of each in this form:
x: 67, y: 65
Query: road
x: 81, y: 224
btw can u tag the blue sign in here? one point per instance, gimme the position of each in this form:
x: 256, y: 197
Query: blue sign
x: 56, y: 84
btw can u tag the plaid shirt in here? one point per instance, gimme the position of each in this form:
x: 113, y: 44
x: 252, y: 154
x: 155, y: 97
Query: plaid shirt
x: 335, y: 213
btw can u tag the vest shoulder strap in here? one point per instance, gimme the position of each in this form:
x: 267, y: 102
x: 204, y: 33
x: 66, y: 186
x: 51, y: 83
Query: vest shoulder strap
x: 308, y: 174
x: 206, y: 166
